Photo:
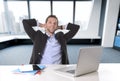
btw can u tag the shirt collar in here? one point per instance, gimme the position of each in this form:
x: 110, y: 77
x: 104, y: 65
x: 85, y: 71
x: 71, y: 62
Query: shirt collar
x: 49, y: 35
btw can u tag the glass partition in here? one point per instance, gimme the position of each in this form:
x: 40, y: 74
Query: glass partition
x: 40, y: 10
x: 82, y: 13
x: 17, y: 11
x: 12, y: 12
x: 64, y: 11
x: 3, y: 28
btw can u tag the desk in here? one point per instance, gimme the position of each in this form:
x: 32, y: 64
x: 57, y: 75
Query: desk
x: 106, y: 72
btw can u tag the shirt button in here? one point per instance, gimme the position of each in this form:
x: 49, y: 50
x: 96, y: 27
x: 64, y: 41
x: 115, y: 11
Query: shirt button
x: 38, y: 53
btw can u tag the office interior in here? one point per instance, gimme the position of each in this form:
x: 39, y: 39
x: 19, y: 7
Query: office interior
x: 99, y: 22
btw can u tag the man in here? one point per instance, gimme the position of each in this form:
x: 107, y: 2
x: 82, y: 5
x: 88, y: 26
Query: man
x: 49, y: 47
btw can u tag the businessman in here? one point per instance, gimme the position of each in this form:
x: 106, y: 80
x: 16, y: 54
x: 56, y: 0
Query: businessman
x: 49, y: 46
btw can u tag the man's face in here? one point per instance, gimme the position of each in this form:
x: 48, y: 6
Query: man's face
x: 51, y: 24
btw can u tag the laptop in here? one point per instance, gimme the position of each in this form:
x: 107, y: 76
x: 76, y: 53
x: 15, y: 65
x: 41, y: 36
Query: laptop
x: 88, y: 61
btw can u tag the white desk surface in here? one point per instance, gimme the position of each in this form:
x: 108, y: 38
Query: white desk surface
x: 106, y: 72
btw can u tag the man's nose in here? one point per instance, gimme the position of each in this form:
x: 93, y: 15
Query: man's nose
x: 53, y: 24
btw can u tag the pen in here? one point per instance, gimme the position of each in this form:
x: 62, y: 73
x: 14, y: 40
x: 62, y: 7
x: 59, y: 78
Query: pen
x: 38, y: 72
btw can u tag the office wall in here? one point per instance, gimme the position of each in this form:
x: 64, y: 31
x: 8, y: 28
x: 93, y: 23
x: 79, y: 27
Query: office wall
x: 111, y: 14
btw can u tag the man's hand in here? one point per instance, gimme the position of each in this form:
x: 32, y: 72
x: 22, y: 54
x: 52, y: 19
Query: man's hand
x: 41, y: 25
x: 61, y: 27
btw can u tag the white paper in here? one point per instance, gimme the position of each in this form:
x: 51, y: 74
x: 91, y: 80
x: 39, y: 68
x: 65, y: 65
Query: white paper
x: 23, y: 68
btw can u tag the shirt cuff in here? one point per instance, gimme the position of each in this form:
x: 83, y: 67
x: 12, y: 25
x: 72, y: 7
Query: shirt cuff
x: 65, y: 26
x: 37, y: 23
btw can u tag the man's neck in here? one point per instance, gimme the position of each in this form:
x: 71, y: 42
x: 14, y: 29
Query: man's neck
x: 49, y: 33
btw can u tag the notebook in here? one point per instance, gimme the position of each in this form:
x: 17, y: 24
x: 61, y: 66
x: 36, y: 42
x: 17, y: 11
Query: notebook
x: 88, y: 61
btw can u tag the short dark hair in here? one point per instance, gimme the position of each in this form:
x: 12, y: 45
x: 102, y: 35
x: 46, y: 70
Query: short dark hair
x: 53, y: 16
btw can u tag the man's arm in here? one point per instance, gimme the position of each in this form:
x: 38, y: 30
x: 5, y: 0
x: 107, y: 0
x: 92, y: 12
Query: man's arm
x: 73, y: 29
x: 61, y: 27
x: 28, y: 24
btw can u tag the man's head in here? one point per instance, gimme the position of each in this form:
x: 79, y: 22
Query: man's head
x: 51, y: 23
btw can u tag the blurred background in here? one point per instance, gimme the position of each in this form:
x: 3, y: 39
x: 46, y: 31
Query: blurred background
x: 99, y: 22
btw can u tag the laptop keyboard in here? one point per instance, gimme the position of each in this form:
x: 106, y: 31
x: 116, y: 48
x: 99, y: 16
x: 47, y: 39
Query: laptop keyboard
x: 71, y: 71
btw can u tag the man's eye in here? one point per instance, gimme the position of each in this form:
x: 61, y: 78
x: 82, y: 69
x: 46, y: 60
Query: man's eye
x: 49, y: 22
x: 55, y: 23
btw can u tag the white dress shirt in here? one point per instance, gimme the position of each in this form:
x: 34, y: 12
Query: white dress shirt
x: 52, y: 52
